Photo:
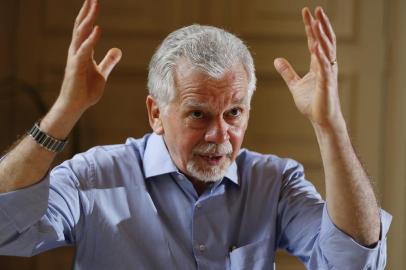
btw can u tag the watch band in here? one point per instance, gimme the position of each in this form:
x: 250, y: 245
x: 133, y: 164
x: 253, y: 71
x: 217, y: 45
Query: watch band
x: 45, y: 140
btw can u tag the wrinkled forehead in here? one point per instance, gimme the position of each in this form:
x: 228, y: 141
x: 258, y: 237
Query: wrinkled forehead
x: 192, y: 85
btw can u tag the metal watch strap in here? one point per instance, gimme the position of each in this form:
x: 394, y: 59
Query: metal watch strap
x: 45, y: 140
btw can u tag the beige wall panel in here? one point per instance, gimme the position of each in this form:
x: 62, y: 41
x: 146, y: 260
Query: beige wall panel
x: 368, y: 129
x: 130, y: 16
x: 120, y: 114
x: 394, y: 184
x: 124, y: 17
x: 274, y: 113
x: 136, y: 53
x: 5, y: 71
x: 6, y: 35
x: 286, y: 262
x: 264, y: 18
x: 28, y: 43
x: 211, y: 12
x: 5, y: 137
x: 60, y: 258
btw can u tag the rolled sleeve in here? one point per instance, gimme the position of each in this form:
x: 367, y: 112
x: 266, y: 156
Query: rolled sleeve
x: 339, y: 248
x: 26, y: 206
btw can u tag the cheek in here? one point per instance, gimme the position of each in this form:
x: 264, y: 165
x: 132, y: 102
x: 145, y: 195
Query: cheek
x: 236, y: 137
x: 187, y: 140
x: 237, y: 132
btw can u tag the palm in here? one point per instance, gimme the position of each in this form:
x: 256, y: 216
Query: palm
x: 94, y: 83
x: 315, y: 94
x: 85, y: 80
x: 310, y: 95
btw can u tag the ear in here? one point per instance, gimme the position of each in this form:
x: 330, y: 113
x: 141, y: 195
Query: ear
x: 154, y: 116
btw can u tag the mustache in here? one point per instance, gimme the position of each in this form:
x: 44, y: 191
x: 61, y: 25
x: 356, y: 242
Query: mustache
x: 214, y: 149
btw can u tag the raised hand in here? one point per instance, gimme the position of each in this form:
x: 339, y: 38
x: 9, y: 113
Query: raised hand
x: 83, y: 86
x: 316, y: 93
x: 85, y: 80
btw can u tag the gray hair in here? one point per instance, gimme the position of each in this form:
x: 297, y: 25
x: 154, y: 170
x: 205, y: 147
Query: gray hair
x: 210, y: 49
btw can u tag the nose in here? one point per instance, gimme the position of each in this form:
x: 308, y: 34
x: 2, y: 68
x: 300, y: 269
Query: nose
x: 217, y: 132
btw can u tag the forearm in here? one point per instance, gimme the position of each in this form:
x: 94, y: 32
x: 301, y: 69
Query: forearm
x: 350, y: 197
x: 28, y: 162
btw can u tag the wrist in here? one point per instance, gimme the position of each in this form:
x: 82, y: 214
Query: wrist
x: 335, y: 126
x: 60, y: 120
x: 332, y: 135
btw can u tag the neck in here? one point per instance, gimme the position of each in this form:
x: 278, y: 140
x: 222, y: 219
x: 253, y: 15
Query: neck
x: 200, y: 186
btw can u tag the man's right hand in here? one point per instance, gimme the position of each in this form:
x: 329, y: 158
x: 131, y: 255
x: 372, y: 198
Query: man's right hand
x: 82, y: 87
x: 85, y: 80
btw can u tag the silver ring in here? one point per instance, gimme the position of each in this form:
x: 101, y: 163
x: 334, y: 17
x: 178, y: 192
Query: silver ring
x: 333, y: 62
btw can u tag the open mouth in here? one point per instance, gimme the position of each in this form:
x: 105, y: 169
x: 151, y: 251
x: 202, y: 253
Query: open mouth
x: 212, y: 159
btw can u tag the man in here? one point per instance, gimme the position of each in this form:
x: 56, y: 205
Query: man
x: 186, y: 196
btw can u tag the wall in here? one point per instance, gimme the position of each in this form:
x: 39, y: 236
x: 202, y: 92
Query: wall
x: 394, y: 180
x: 36, y: 36
x: 6, y: 53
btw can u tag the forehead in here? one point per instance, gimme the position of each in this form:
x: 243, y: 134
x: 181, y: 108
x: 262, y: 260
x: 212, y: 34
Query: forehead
x: 196, y: 86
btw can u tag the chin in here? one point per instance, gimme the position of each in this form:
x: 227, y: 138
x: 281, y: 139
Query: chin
x: 207, y: 175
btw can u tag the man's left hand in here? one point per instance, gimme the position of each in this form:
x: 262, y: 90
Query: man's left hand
x: 316, y: 93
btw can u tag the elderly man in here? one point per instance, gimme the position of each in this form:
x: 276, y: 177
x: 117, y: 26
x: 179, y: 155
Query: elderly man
x: 187, y: 196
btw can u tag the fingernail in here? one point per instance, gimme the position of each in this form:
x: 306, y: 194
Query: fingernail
x: 277, y: 63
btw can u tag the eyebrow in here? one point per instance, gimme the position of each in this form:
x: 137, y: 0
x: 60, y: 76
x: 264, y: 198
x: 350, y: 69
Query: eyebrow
x: 241, y: 101
x: 199, y: 104
x: 195, y: 103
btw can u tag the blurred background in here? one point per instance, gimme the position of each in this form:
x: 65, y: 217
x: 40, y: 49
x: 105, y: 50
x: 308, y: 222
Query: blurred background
x: 35, y: 35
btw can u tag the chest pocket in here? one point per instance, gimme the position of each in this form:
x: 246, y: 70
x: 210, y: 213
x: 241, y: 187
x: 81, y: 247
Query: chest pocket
x: 255, y: 256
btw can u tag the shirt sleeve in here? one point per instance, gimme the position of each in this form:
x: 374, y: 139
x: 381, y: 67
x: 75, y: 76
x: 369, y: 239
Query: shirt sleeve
x: 339, y: 248
x: 306, y: 230
x: 42, y: 216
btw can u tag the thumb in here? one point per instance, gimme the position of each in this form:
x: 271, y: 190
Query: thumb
x: 111, y: 59
x: 288, y: 74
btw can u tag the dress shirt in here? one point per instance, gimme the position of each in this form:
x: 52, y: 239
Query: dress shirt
x: 127, y: 206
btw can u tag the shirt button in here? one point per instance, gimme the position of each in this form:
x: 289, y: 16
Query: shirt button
x: 202, y: 248
x: 198, y: 205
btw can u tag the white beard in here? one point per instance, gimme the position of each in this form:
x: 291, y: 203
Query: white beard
x: 210, y: 173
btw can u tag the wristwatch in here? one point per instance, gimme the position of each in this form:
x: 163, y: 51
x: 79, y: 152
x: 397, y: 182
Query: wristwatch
x: 45, y: 140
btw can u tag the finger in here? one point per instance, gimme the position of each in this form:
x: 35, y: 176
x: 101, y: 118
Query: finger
x: 287, y: 72
x: 111, y: 59
x: 324, y: 42
x: 326, y: 24
x: 324, y: 63
x: 86, y: 48
x: 85, y: 28
x: 82, y: 13
x: 308, y: 21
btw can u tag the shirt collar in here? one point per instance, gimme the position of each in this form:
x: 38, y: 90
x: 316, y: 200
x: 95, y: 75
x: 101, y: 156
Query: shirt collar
x: 157, y: 160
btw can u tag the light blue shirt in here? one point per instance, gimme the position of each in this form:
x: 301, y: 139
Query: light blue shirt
x: 128, y: 207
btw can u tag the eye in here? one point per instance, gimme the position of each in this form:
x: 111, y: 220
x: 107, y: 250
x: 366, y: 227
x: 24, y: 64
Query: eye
x: 235, y: 112
x: 197, y: 114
